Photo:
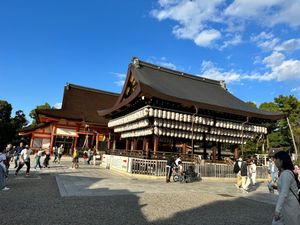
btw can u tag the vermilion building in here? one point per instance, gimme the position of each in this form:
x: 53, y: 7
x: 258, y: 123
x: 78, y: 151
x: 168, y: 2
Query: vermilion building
x: 76, y: 124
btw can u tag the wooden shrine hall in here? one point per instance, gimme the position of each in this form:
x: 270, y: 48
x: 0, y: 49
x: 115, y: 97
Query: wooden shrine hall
x: 162, y: 111
x: 76, y: 124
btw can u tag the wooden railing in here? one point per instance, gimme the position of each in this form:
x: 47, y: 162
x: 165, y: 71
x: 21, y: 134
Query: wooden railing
x: 158, y: 168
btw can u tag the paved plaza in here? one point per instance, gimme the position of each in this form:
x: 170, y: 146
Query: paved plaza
x: 93, y: 195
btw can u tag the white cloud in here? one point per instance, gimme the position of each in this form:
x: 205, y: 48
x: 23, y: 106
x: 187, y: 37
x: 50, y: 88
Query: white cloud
x: 289, y: 45
x: 57, y: 105
x: 287, y: 70
x: 209, y: 70
x: 279, y: 70
x: 192, y: 18
x: 205, y: 21
x: 265, y: 41
x: 274, y: 60
x: 207, y: 37
x: 121, y: 78
x: 237, y: 39
x: 288, y: 13
x: 296, y: 90
x: 253, y: 8
x: 163, y: 61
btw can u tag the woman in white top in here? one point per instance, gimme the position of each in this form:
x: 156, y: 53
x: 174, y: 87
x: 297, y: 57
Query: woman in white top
x: 287, y: 207
x: 24, y: 159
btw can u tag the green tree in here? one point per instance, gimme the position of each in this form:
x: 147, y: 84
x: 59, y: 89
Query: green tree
x: 9, y: 125
x: 252, y: 104
x: 33, y: 114
x: 279, y: 134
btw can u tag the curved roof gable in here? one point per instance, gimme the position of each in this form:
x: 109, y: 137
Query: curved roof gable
x: 171, y: 85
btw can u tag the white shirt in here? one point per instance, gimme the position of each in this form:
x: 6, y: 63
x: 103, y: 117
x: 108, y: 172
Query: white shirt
x: 177, y: 160
x: 25, y: 153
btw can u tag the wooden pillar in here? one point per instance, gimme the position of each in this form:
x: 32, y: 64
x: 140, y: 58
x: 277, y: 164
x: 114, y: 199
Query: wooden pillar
x: 31, y: 140
x: 108, y: 145
x: 236, y: 153
x: 93, y: 138
x: 147, y: 147
x: 204, y: 147
x: 97, y: 141
x: 134, y: 143
x: 214, y: 151
x: 155, y: 145
x: 114, y: 144
x: 219, y: 150
x: 144, y: 144
x: 131, y: 145
x: 52, y: 138
x: 127, y: 145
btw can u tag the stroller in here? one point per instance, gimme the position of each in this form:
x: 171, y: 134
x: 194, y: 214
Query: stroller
x: 190, y: 175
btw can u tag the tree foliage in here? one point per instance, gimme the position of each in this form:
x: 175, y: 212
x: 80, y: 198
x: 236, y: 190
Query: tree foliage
x: 279, y: 135
x: 33, y: 114
x: 9, y: 125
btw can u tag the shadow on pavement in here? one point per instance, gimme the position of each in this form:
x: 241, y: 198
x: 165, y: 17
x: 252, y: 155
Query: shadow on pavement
x: 37, y: 201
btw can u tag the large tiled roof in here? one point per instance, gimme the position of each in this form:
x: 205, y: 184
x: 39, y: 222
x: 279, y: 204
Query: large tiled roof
x: 81, y: 104
x: 186, y: 89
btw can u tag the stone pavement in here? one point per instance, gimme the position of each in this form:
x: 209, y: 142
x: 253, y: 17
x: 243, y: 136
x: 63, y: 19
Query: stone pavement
x: 92, y: 195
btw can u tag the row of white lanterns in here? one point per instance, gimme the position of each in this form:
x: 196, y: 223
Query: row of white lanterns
x: 233, y: 133
x: 170, y: 119
x: 187, y: 135
x: 136, y: 115
x: 222, y: 139
x: 175, y: 133
x: 132, y: 126
x: 182, y: 117
x: 239, y: 126
x: 137, y: 133
x: 179, y: 125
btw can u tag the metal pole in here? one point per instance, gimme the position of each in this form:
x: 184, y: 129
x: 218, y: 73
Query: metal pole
x: 243, y: 134
x: 292, y: 134
x: 193, y: 121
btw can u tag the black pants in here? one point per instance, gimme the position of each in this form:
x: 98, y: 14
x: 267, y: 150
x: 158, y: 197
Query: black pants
x: 22, y: 164
x: 168, y: 172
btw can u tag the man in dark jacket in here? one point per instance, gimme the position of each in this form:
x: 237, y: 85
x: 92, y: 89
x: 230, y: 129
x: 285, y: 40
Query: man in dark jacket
x: 169, y: 168
x: 17, y: 153
x: 240, y: 168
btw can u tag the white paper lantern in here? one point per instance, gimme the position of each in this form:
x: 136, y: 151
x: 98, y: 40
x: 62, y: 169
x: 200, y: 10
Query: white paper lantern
x: 173, y: 115
x: 168, y: 115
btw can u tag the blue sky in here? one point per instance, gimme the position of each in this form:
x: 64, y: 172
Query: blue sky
x: 253, y: 45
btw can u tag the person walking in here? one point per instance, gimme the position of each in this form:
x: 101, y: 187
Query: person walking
x: 75, y: 159
x: 241, y: 170
x: 3, y: 171
x: 169, y: 168
x: 47, y: 159
x: 17, y: 153
x: 90, y: 154
x: 38, y: 159
x: 55, y: 152
x: 287, y: 208
x: 252, y: 172
x: 273, y: 173
x: 60, y: 152
x: 24, y: 159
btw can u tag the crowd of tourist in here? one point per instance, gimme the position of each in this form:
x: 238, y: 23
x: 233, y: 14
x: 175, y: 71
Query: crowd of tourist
x: 20, y: 156
x: 282, y: 176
